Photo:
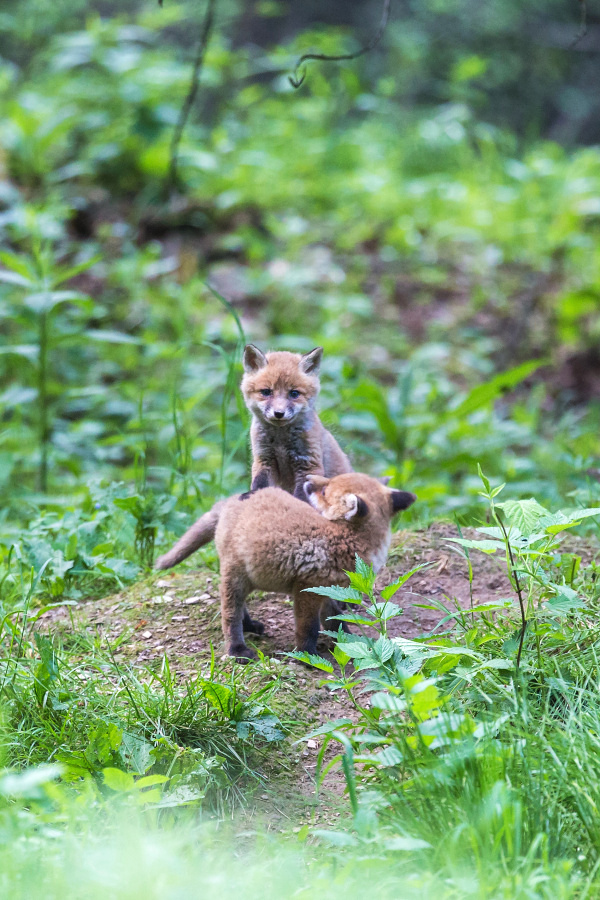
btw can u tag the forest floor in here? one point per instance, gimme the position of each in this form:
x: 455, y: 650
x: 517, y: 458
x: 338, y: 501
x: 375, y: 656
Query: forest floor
x: 176, y: 613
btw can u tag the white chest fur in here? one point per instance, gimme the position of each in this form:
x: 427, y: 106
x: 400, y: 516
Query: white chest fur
x: 379, y: 556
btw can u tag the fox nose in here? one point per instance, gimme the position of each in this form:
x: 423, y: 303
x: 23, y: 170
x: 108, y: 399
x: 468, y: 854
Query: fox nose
x: 278, y: 414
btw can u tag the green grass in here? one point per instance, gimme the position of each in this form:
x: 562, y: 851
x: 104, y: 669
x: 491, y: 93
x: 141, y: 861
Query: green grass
x: 452, y: 274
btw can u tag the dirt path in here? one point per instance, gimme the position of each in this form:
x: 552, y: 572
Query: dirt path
x: 177, y: 613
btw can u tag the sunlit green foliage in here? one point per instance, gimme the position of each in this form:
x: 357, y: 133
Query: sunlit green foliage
x: 411, y: 213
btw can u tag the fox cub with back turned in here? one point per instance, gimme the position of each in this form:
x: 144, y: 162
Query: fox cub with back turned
x: 275, y: 542
x: 289, y: 442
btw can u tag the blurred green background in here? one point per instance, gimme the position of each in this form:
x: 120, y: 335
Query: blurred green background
x: 429, y: 213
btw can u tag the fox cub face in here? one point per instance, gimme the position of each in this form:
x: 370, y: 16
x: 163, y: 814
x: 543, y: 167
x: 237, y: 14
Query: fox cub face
x: 279, y: 386
x: 355, y: 497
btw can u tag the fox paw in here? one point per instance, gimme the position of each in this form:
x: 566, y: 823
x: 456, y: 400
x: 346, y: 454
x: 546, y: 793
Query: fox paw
x: 241, y: 653
x: 245, y: 495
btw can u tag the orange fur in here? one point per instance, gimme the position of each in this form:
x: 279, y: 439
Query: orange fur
x: 275, y: 542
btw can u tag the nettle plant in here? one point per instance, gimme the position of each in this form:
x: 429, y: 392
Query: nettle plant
x: 460, y: 686
x: 542, y: 577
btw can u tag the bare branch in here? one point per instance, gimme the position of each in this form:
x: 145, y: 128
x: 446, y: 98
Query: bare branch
x: 203, y: 41
x: 582, y: 24
x: 298, y: 77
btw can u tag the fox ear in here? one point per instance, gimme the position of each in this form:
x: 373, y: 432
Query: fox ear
x: 311, y: 362
x: 402, y: 500
x: 357, y: 508
x: 254, y: 359
x: 314, y: 483
x: 384, y: 479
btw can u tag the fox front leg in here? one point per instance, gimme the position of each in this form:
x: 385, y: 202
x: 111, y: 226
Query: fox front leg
x: 299, y: 492
x: 261, y: 478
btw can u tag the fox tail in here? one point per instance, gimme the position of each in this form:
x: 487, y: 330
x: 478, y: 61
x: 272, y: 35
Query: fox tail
x: 201, y: 533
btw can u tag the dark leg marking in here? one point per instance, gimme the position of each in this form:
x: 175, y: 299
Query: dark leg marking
x: 260, y: 481
x: 252, y: 626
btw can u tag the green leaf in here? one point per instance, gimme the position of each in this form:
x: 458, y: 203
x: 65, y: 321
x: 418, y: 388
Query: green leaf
x: 266, y: 726
x: 353, y: 618
x: 391, y: 589
x: 29, y: 784
x: 316, y: 661
x: 406, y: 843
x: 218, y: 695
x: 335, y: 838
x: 14, y: 278
x: 111, y: 336
x: 412, y: 648
x: 30, y: 352
x: 485, y: 394
x: 485, y: 481
x: 17, y: 264
x: 565, y: 602
x: 385, y: 611
x: 46, y: 301
x: 345, y: 595
x: 357, y: 649
x: 388, y: 702
x: 66, y: 273
x: 340, y: 657
x: 390, y: 756
x: 148, y: 781
x: 363, y: 579
x: 117, y: 780
x: 523, y: 514
x: 484, y: 546
x: 554, y: 523
x: 326, y: 729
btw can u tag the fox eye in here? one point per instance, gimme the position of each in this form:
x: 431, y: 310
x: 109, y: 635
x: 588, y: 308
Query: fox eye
x: 294, y: 394
x: 266, y: 392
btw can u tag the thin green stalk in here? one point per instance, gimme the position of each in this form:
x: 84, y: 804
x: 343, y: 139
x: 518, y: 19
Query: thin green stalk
x: 517, y: 587
x: 43, y: 401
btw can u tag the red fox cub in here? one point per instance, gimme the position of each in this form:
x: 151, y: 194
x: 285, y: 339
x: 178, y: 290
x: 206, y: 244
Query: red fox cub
x: 275, y: 542
x: 288, y: 439
x: 289, y: 442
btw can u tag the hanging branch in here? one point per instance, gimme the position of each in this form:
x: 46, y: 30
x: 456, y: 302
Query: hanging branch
x: 203, y: 41
x: 298, y: 77
x: 582, y: 24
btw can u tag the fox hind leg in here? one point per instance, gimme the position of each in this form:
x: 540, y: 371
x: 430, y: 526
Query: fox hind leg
x: 333, y: 608
x: 252, y: 626
x: 234, y: 591
x: 306, y: 613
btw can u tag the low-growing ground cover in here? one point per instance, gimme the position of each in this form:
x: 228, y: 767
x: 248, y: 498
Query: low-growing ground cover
x: 466, y: 760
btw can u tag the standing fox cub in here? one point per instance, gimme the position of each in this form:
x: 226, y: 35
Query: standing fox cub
x: 288, y: 439
x: 275, y: 542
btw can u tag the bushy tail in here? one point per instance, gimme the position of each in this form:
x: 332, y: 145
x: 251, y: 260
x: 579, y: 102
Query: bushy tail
x: 201, y: 533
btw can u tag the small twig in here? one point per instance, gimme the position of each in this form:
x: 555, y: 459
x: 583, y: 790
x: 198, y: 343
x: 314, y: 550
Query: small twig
x: 518, y: 589
x: 582, y: 25
x: 205, y: 32
x: 298, y: 77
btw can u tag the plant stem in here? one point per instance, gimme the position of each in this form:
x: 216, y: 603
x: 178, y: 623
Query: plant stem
x: 43, y: 401
x: 517, y: 587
